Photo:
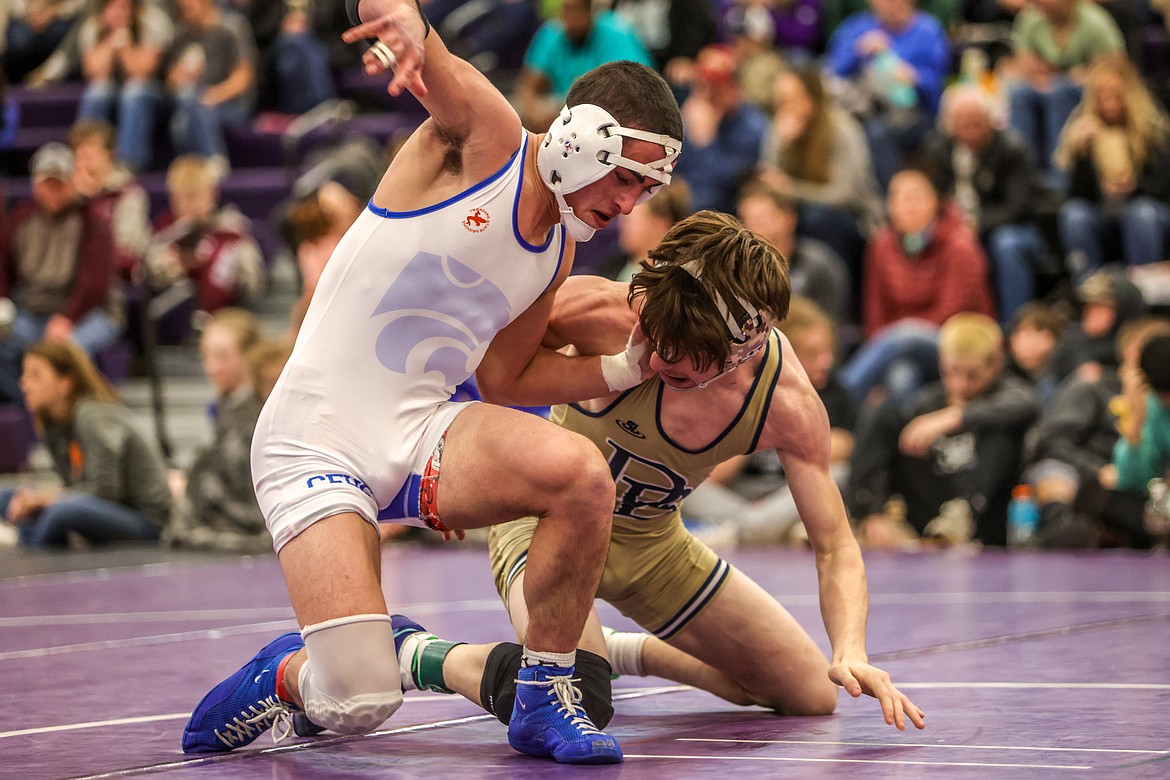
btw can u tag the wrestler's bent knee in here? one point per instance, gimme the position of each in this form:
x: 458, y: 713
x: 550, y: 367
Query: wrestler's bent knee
x: 350, y: 683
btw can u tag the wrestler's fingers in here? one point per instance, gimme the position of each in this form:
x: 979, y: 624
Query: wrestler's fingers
x: 371, y: 29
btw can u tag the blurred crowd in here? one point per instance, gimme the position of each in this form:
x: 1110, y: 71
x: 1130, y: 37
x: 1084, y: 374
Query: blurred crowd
x: 973, y: 197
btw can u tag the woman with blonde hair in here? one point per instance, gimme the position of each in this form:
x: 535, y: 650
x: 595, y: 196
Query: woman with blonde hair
x: 1116, y: 148
x: 114, y: 481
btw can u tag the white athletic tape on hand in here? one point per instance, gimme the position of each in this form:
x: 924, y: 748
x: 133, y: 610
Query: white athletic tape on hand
x: 624, y: 370
x: 384, y: 55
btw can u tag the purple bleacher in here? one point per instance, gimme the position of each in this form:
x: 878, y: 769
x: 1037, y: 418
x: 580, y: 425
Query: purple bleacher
x: 252, y: 148
x: 114, y: 361
x: 1156, y: 52
x: 357, y: 85
x: 381, y: 127
x: 16, y: 437
x: 50, y: 106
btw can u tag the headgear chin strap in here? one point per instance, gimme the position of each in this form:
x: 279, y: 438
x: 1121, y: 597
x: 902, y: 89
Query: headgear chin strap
x: 584, y: 144
x: 748, y: 328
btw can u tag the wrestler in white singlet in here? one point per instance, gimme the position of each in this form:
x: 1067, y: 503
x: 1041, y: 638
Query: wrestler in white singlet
x: 404, y: 312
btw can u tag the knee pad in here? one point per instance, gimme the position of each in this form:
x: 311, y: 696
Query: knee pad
x: 350, y: 683
x: 497, y: 688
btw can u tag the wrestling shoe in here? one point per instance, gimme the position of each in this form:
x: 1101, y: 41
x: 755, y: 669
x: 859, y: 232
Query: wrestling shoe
x: 549, y: 721
x: 245, y: 705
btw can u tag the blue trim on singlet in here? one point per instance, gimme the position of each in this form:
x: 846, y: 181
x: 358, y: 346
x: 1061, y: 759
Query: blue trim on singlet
x: 403, y: 506
x: 516, y: 211
x: 388, y: 214
x: 696, y: 603
x: 731, y: 426
x: 771, y: 391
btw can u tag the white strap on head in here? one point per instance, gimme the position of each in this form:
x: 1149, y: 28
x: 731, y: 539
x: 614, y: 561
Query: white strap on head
x: 740, y: 328
x: 583, y: 144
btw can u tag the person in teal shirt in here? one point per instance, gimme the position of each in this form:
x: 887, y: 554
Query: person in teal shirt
x: 1143, y: 451
x: 566, y: 48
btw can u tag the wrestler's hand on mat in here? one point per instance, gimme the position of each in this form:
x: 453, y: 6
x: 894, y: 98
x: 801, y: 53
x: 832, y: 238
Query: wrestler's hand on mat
x: 858, y: 677
x: 399, y: 47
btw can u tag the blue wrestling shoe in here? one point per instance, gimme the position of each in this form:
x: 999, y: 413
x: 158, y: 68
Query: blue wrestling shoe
x: 243, y: 706
x: 549, y: 721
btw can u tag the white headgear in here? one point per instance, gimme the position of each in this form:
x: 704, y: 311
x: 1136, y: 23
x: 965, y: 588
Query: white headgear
x: 585, y: 143
x: 747, y: 329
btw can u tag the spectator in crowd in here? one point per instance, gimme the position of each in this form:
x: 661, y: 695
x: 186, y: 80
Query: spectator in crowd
x: 202, y: 243
x: 114, y: 480
x: 9, y: 116
x: 947, y: 12
x: 922, y: 268
x: 723, y: 132
x: 266, y: 361
x: 1071, y: 449
x: 893, y: 61
x: 815, y: 270
x: 1054, y: 42
x: 752, y: 33
x: 211, y: 76
x: 1108, y: 300
x: 580, y: 40
x: 1116, y: 149
x: 817, y: 152
x: 1143, y: 451
x: 293, y: 63
x: 960, y: 438
x: 749, y: 493
x: 673, y: 31
x: 35, y: 28
x: 121, y: 44
x: 113, y: 192
x: 57, y: 266
x: 317, y: 223
x: 989, y: 174
x: 643, y: 228
x: 216, y: 504
x: 1035, y: 333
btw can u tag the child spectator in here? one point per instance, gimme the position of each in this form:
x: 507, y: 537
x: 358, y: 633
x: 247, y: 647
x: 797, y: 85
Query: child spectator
x: 203, y: 243
x: 1108, y: 301
x: 1143, y: 451
x: 217, y: 506
x: 1033, y: 337
x: 960, y: 438
x: 114, y: 480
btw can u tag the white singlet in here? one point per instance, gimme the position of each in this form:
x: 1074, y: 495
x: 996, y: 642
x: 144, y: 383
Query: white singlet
x: 403, y: 313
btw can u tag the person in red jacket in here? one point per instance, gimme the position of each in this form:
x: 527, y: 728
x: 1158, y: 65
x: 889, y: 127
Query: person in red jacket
x: 923, y: 266
x: 202, y: 243
x: 56, y: 265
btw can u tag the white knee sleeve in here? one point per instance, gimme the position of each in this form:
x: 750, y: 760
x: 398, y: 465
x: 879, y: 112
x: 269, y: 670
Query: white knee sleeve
x: 350, y: 683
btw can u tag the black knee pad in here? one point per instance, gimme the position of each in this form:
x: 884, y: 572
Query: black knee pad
x: 497, y: 688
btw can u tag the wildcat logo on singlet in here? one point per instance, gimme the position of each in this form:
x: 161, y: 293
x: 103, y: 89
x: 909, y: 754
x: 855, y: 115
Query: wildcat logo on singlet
x: 646, y: 489
x: 442, y: 317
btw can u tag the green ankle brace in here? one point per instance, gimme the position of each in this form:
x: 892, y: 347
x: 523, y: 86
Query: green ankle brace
x: 427, y: 667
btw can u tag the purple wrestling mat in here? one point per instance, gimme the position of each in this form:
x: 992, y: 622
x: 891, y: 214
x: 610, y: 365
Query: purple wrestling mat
x: 1027, y: 665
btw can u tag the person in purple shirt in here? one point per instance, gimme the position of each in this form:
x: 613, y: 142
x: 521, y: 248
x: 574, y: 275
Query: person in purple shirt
x: 894, y: 61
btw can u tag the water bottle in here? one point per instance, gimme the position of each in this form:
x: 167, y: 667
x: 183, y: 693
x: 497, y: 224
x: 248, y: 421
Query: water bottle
x: 1023, y: 516
x: 898, y: 93
x: 1156, y: 517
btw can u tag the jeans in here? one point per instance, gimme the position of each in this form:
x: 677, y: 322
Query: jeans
x: 134, y: 104
x: 95, y: 519
x: 302, y: 72
x: 1039, y: 115
x: 1015, y: 251
x: 198, y: 129
x: 889, y: 144
x: 1087, y: 232
x: 902, y: 356
x: 838, y: 228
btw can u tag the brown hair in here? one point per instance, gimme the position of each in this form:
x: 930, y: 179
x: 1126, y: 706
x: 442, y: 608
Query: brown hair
x: 1039, y: 316
x: 1139, y: 331
x: 808, y: 157
x: 678, y: 315
x: 267, y: 353
x: 92, y: 130
x: 633, y: 94
x: 673, y: 202
x: 70, y: 361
